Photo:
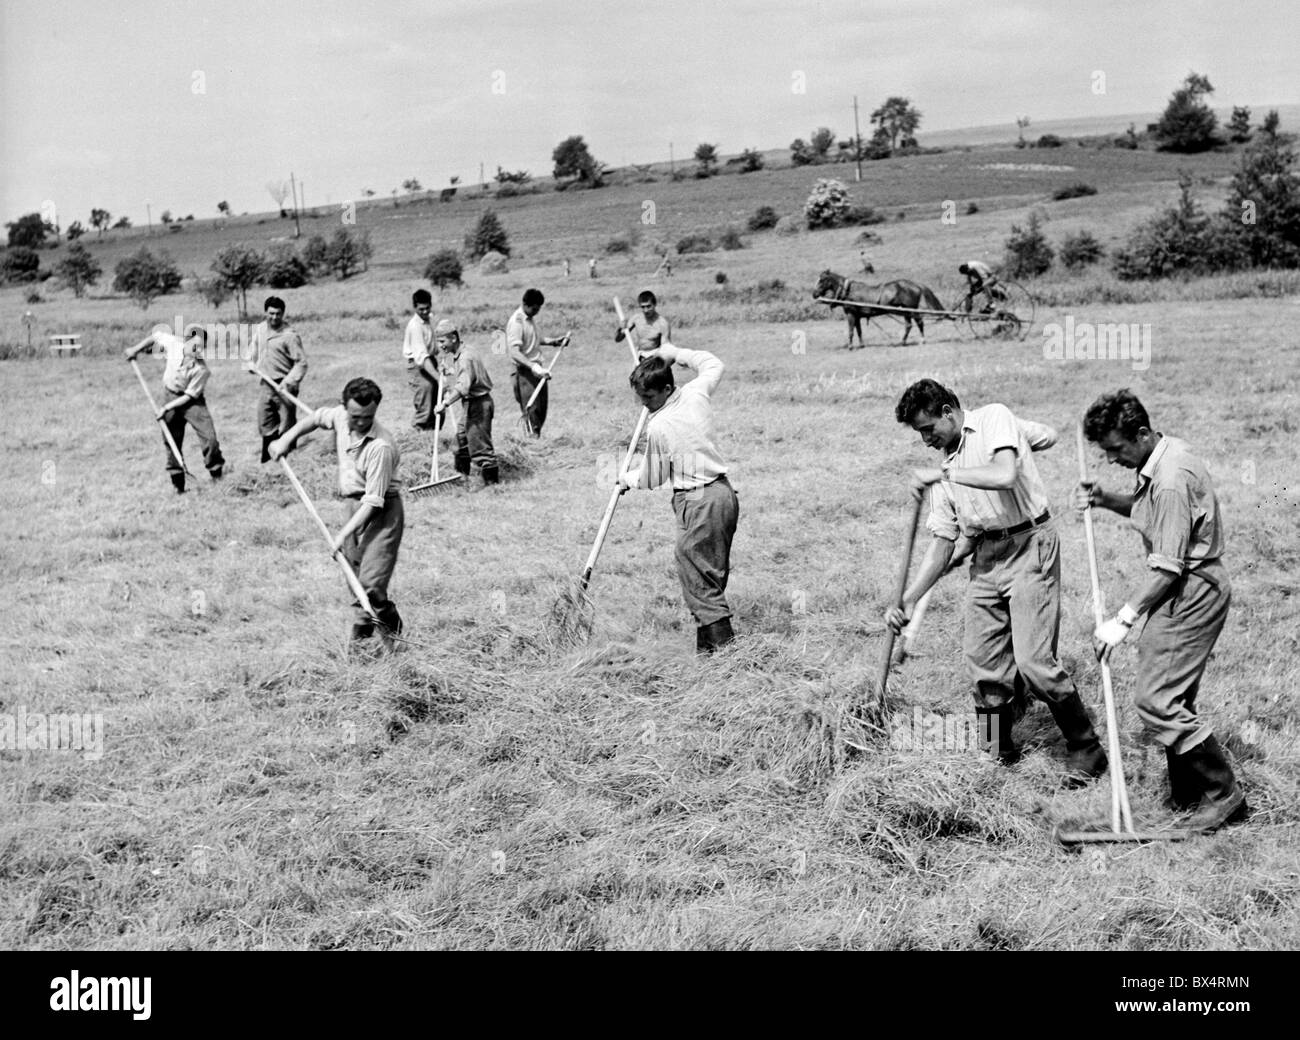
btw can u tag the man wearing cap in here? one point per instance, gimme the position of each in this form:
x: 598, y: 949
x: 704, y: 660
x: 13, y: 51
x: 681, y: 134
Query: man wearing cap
x: 471, y: 388
x: 980, y: 279
x: 277, y: 352
x: 185, y: 378
x: 988, y: 490
x: 421, y: 368
x: 650, y: 327
x: 368, y: 459
x: 525, y: 345
x: 1185, y: 599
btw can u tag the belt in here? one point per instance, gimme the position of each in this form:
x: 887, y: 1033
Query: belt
x: 721, y: 478
x: 1007, y: 532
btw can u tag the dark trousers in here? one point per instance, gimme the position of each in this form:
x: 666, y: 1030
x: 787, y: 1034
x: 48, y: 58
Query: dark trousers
x: 425, y: 393
x: 525, y: 383
x: 1173, y: 650
x: 275, y: 416
x: 372, y: 554
x: 194, y: 414
x: 706, y: 525
x: 474, y: 438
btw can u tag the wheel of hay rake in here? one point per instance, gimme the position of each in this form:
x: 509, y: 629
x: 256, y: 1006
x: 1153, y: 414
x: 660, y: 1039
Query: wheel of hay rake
x: 1019, y: 307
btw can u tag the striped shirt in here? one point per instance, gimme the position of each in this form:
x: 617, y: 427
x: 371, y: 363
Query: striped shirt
x: 957, y: 509
x: 419, y: 337
x: 182, y: 374
x: 1175, y: 509
x: 367, y: 465
x: 279, y: 354
x: 521, y: 335
x: 679, y: 437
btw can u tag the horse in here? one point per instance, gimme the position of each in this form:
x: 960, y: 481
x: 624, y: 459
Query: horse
x: 900, y: 293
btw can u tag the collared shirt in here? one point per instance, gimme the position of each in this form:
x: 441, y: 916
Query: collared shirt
x: 651, y: 335
x: 679, y: 437
x: 182, y: 374
x: 471, y: 375
x: 367, y: 465
x: 279, y: 354
x: 418, y: 340
x: 957, y: 509
x: 1175, y: 509
x: 521, y: 335
x: 980, y: 269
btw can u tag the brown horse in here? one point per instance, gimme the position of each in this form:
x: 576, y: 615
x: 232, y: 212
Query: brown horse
x: 878, y: 299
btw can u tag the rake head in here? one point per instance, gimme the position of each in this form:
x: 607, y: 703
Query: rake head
x: 573, y: 614
x: 435, y: 487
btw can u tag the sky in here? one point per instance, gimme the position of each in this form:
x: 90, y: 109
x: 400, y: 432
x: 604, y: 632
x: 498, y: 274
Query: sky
x: 179, y: 104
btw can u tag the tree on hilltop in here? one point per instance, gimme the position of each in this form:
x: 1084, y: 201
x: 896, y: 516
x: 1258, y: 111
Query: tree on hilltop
x: 1188, y: 124
x: 897, y: 117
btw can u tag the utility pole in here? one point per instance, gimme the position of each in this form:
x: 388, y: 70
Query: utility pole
x: 857, y: 137
x: 293, y: 186
x: 481, y: 179
x: 149, y: 214
x: 672, y: 166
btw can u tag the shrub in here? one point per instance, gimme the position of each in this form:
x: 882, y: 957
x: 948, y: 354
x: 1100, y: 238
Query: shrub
x: 1182, y: 239
x: 826, y: 204
x: 507, y: 190
x: 720, y: 278
x: 241, y: 268
x: 1267, y: 188
x: 763, y: 218
x: 144, y: 276
x: 215, y: 290
x: 487, y: 236
x: 860, y: 216
x: 1028, y: 253
x: 493, y: 263
x: 751, y: 161
x: 617, y: 245
x: 1079, y: 250
x: 1074, y: 191
x: 444, y: 269
x: 78, y: 269
x: 971, y: 209
x: 346, y: 253
x: 316, y: 255
x: 284, y: 268
x: 1188, y: 124
x: 20, y: 264
x: 1049, y: 141
x: 730, y: 238
x: 34, y: 297
x: 695, y: 243
x: 769, y: 287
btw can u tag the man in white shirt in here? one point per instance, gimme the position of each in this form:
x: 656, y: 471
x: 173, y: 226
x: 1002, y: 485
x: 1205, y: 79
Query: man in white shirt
x: 988, y: 491
x: 680, y: 450
x: 524, y: 344
x: 421, y: 366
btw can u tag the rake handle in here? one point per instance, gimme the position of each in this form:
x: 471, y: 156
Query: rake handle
x: 1120, y: 812
x: 171, y: 441
x: 254, y: 370
x: 900, y: 587
x: 542, y: 382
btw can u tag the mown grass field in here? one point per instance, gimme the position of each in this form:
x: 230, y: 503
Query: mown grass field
x: 496, y: 790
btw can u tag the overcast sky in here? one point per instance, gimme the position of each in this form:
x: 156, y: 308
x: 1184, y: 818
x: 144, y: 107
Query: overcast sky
x: 181, y: 103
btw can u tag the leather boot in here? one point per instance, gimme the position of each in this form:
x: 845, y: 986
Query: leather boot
x: 461, y: 464
x: 1183, y: 792
x: 178, y: 483
x: 713, y: 635
x: 702, y: 640
x: 266, y: 443
x: 491, y: 475
x: 1085, y: 760
x: 995, y: 734
x: 1221, y: 799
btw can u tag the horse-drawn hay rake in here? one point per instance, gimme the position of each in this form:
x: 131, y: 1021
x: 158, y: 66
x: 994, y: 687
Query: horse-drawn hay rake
x: 1005, y: 311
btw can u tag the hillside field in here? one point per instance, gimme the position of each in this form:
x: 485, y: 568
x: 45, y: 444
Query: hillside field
x: 492, y: 788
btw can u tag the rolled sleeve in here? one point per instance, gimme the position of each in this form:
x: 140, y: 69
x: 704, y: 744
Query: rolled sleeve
x: 198, y: 381
x: 1039, y: 435
x: 708, y: 369
x: 379, y: 473
x: 324, y: 417
x: 942, y: 521
x: 1171, y: 529
x: 1000, y: 430
x: 293, y: 348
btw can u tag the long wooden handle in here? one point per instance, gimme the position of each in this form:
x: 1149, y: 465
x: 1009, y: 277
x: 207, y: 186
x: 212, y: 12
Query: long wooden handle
x: 1120, y: 813
x: 167, y: 434
x: 353, y: 582
x: 627, y: 330
x: 538, y: 388
x: 613, y: 503
x: 279, y: 389
x: 914, y: 625
x: 900, y: 587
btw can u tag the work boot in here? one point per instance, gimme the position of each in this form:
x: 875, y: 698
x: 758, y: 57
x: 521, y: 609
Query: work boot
x: 1085, y: 760
x: 713, y: 635
x: 266, y: 443
x: 994, y: 727
x: 491, y: 475
x: 461, y: 464
x: 1221, y: 799
x: 178, y: 483
x: 1183, y: 792
x: 215, y: 474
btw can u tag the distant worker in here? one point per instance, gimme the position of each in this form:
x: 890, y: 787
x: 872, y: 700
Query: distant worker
x: 591, y: 268
x: 277, y: 352
x: 567, y: 267
x: 471, y: 386
x: 421, y: 361
x: 980, y: 279
x: 524, y: 345
x: 650, y: 327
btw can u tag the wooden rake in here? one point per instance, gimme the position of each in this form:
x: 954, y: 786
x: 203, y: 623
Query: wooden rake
x: 886, y: 659
x: 436, y: 485
x: 1121, y: 816
x: 524, y: 421
x: 167, y: 434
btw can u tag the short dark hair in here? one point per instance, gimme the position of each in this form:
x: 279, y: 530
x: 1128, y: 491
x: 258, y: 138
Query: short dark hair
x: 652, y: 375
x: 1120, y: 411
x: 362, y: 390
x: 646, y: 296
x: 925, y: 395
x: 533, y: 298
x: 274, y: 301
x: 421, y: 296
